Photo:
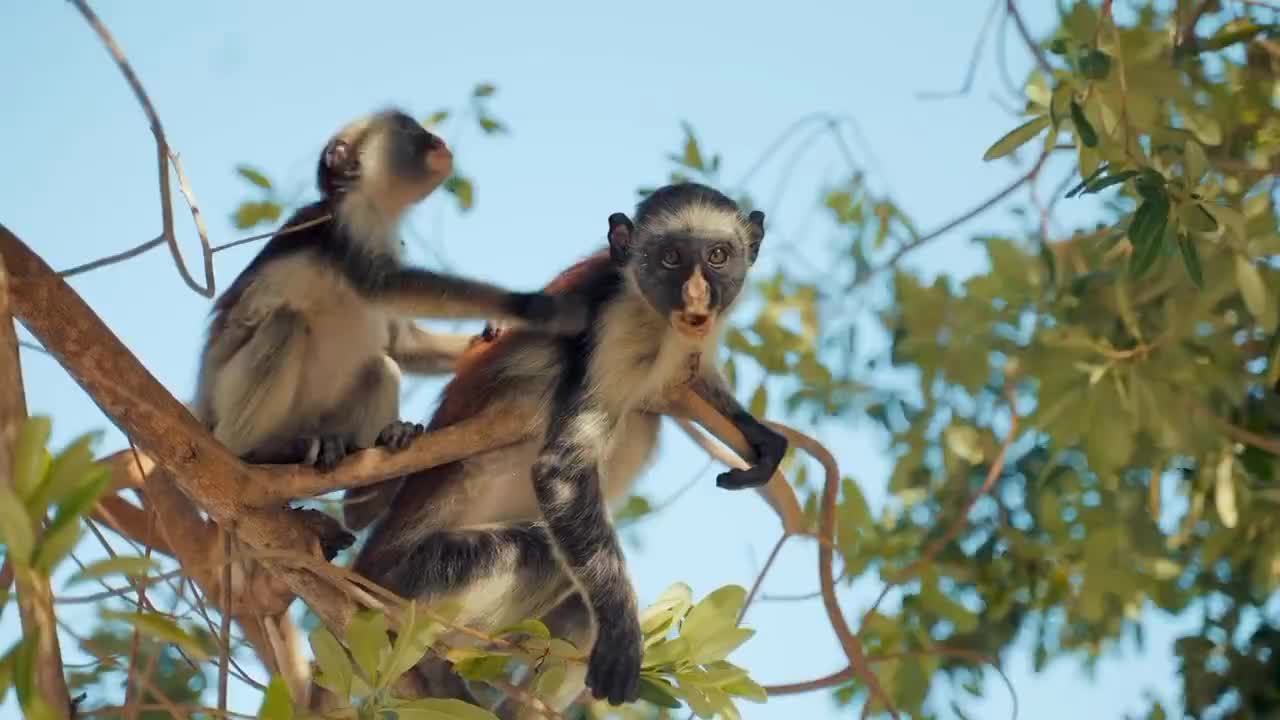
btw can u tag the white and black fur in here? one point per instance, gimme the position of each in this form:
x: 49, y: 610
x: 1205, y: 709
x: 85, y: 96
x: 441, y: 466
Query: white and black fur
x: 303, y: 358
x: 525, y: 531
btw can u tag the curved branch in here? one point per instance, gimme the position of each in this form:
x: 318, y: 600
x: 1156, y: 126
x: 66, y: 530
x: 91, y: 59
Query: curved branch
x: 849, y: 642
x: 162, y: 154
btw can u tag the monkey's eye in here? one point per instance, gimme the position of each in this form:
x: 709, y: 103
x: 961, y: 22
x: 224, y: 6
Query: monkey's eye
x: 671, y: 258
x: 718, y: 256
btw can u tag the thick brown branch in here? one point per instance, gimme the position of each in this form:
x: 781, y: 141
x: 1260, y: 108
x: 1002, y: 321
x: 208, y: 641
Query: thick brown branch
x: 35, y: 597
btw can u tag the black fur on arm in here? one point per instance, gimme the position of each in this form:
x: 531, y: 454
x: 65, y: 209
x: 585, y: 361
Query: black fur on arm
x: 566, y: 481
x: 424, y: 293
x: 769, y: 446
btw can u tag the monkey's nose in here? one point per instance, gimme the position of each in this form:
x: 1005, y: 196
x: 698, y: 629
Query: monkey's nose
x: 434, y: 142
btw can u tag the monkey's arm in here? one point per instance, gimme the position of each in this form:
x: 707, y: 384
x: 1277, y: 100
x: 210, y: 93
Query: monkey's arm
x: 566, y: 481
x: 769, y: 446
x: 425, y: 353
x: 414, y: 292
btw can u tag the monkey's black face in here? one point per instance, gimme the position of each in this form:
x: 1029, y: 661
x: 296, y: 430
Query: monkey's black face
x: 691, y: 279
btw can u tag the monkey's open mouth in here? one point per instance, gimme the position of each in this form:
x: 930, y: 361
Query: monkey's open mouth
x: 694, y: 325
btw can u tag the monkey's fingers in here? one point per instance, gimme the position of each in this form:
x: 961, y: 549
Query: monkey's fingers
x: 737, y: 479
x: 332, y: 449
x: 399, y: 435
x: 613, y: 670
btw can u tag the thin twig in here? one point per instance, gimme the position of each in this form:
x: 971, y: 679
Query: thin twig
x: 1032, y: 45
x: 162, y: 154
x: 953, y: 223
x: 768, y: 565
x: 282, y: 231
x: 112, y: 259
x: 973, y: 61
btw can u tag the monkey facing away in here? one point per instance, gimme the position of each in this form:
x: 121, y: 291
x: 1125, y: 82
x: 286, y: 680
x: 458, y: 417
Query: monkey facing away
x: 302, y: 361
x: 525, y: 531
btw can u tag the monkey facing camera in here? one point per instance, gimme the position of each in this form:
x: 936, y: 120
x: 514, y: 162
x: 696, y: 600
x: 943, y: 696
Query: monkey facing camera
x: 524, y: 530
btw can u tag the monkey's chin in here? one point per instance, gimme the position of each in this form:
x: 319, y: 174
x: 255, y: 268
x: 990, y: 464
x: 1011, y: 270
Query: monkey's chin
x: 694, y: 326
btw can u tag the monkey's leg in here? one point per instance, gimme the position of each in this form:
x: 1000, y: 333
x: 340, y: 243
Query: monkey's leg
x: 570, y: 620
x: 769, y: 446
x: 566, y: 479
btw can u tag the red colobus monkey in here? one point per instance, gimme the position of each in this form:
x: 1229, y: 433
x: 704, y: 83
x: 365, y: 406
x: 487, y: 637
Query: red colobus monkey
x: 525, y: 531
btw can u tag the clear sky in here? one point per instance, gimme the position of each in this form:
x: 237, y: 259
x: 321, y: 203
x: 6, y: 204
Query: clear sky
x: 594, y: 93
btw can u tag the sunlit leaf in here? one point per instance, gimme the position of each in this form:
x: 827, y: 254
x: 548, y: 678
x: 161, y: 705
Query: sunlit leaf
x: 484, y: 90
x: 1252, y: 287
x: 460, y: 187
x: 440, y: 709
x: 658, y: 692
x: 1224, y: 490
x: 277, y: 704
x: 29, y: 455
x: 1191, y: 259
x: 253, y: 176
x: 16, y: 532
x: 367, y: 638
x: 336, y: 672
x: 1016, y: 138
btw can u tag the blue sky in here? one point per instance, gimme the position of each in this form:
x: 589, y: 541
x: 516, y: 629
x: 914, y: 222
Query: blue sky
x: 594, y: 95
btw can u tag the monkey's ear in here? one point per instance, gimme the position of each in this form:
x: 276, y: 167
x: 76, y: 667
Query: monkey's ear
x: 620, y: 228
x: 755, y: 221
x: 339, y: 167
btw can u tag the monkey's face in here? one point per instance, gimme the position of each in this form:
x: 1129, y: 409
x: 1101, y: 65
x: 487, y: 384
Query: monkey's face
x: 691, y: 279
x: 389, y: 157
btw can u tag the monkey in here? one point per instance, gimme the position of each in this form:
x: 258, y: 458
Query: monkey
x: 526, y: 530
x: 303, y: 355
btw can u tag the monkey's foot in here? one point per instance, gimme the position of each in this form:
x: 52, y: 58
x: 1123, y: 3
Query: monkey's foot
x: 613, y: 670
x: 399, y: 435
x: 333, y: 537
x: 330, y: 449
x: 738, y: 479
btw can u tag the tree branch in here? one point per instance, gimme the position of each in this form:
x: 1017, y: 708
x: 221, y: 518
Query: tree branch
x: 1032, y: 45
x: 162, y: 154
x: 35, y: 597
x: 849, y: 642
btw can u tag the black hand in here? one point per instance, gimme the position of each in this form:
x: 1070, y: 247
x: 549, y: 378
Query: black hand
x: 613, y: 670
x: 332, y: 449
x: 399, y: 435
x: 769, y: 448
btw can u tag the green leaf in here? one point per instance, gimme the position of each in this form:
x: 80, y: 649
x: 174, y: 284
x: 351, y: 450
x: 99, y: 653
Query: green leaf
x: 666, y: 652
x: 715, y: 613
x: 460, y: 188
x: 1203, y: 125
x: 718, y: 646
x: 1084, y: 130
x: 1095, y: 64
x: 29, y: 455
x: 435, y: 118
x: 532, y: 626
x: 1016, y: 138
x: 1191, y: 259
x: 161, y: 628
x: 1085, y: 182
x: 16, y: 532
x: 759, y: 401
x: 73, y: 468
x: 336, y: 672
x: 1194, y: 161
x: 367, y: 639
x: 131, y: 566
x: 484, y: 90
x: 276, y: 702
x: 747, y: 689
x: 1194, y: 217
x: 490, y: 126
x: 253, y: 176
x: 1108, y: 181
x: 1228, y: 217
x: 482, y: 668
x: 670, y: 606
x: 692, y: 155
x: 1145, y: 233
x: 56, y: 543
x: 550, y: 679
x: 416, y: 633
x: 440, y: 709
x: 1252, y: 288
x: 252, y: 213
x: 658, y: 692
